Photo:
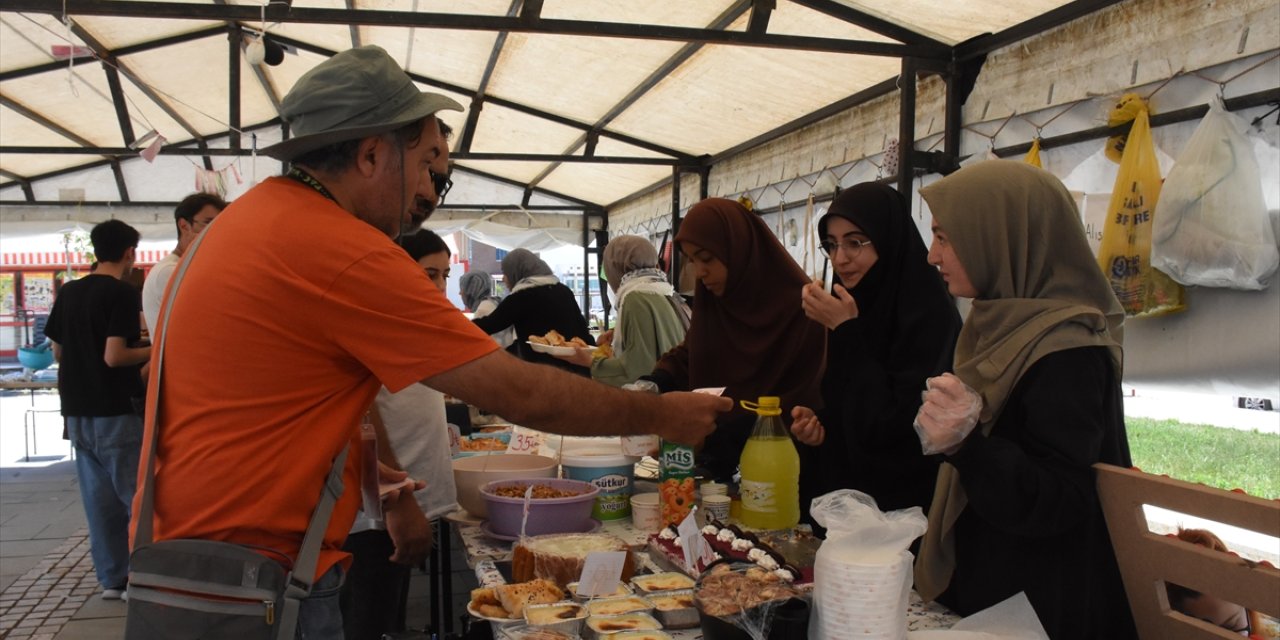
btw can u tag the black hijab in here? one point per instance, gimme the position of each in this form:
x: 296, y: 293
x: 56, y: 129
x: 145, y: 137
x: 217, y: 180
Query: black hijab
x: 877, y: 363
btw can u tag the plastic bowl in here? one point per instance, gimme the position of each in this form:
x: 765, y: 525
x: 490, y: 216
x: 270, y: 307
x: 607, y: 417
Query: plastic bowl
x: 35, y: 359
x: 546, y: 515
x: 471, y: 473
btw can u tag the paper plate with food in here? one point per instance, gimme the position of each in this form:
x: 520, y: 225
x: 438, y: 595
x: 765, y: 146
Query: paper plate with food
x: 555, y: 344
x: 505, y: 603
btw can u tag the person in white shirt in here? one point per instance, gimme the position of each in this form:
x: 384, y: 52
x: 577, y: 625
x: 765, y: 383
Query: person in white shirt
x: 191, y: 216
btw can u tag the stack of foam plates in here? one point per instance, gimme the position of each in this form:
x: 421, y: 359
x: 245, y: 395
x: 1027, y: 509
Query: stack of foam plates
x: 861, y: 594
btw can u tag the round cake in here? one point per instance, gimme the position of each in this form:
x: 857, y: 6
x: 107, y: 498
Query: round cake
x: 559, y: 557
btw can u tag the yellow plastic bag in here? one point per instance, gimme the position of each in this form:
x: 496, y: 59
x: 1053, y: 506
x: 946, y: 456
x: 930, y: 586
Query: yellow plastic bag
x: 1125, y: 252
x: 1033, y: 154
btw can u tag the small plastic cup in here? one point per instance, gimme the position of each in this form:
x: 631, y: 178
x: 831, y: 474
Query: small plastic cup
x: 646, y: 514
x: 717, y: 506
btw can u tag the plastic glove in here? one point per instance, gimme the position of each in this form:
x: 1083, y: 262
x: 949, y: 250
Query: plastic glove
x: 949, y: 413
x: 641, y: 385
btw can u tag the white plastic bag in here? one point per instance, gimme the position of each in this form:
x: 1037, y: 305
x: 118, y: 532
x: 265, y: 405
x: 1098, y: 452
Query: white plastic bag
x: 1211, y: 225
x: 862, y: 573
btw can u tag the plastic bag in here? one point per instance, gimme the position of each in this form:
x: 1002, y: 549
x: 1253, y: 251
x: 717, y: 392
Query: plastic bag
x: 863, y: 569
x: 1125, y: 252
x: 1211, y: 226
x: 1033, y: 154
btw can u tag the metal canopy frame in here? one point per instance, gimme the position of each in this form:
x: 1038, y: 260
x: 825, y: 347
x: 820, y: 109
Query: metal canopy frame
x: 920, y: 54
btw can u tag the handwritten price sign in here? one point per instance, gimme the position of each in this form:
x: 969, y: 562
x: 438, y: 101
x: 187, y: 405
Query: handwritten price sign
x: 526, y: 441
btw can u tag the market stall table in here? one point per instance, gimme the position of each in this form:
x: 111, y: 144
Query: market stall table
x: 30, y: 445
x: 484, y: 553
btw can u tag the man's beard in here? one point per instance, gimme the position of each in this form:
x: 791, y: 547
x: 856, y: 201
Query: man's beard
x: 422, y: 210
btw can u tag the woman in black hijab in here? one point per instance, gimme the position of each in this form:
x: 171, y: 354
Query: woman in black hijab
x: 892, y: 325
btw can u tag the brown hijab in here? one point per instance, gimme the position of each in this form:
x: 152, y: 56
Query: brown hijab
x: 1017, y: 232
x: 755, y: 339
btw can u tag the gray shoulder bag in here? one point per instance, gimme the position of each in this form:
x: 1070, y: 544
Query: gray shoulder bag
x: 207, y: 589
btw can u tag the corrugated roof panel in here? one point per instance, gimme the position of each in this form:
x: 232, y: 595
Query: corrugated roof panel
x: 603, y: 183
x: 725, y: 95
x: 457, y: 57
x: 25, y: 40
x: 575, y: 76
x: 506, y: 130
x: 960, y: 20
x: 82, y: 106
x: 518, y: 171
x: 792, y: 19
x: 115, y: 33
x: 674, y: 13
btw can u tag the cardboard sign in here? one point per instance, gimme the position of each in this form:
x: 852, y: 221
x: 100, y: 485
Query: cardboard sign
x: 455, y: 439
x: 601, y: 573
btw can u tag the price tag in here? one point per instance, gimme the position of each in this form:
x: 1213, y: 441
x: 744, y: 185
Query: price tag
x: 691, y: 542
x: 601, y: 573
x: 526, y: 441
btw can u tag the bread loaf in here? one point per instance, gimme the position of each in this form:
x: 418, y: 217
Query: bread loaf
x: 559, y: 557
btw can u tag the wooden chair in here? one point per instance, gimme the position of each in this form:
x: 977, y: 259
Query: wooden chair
x: 1148, y: 560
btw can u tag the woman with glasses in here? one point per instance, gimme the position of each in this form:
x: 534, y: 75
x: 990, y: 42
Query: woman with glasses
x: 892, y: 325
x: 1035, y: 401
x: 747, y: 334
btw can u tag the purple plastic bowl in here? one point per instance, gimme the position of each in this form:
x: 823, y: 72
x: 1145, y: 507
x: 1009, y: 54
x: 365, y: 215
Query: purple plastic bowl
x: 547, y: 515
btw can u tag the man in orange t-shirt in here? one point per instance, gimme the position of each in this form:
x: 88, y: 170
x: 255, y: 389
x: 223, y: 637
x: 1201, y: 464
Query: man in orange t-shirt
x: 297, y: 306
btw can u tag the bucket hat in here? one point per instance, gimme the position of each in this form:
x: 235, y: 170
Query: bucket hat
x: 357, y: 93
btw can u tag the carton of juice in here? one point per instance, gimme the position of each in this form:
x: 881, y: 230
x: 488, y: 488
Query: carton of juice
x: 676, y: 483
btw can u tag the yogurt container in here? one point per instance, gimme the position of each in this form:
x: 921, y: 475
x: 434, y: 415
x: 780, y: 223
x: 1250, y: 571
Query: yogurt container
x: 609, y: 470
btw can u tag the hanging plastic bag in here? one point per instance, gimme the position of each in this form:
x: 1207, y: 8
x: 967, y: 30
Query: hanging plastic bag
x: 1125, y: 252
x: 1033, y: 154
x: 863, y: 569
x: 1211, y: 227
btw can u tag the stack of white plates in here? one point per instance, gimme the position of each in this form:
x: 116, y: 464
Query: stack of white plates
x: 861, y: 594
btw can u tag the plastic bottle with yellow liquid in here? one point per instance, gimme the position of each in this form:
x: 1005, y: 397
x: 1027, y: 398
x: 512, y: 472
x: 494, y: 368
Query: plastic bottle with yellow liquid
x: 770, y: 468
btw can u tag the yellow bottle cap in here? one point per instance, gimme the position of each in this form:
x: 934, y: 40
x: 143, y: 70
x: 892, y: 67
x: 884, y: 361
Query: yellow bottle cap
x: 767, y: 406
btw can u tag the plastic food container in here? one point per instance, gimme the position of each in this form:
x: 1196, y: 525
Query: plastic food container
x: 546, y: 515
x: 641, y: 635
x: 604, y: 466
x: 655, y: 582
x: 646, y: 512
x: 469, y: 474
x: 565, y: 617
x: 621, y: 590
x: 674, y: 609
x: 618, y: 606
x: 532, y: 632
x: 604, y: 626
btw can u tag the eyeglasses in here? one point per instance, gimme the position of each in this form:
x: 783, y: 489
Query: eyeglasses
x: 204, y: 223
x: 442, y: 183
x: 851, y: 247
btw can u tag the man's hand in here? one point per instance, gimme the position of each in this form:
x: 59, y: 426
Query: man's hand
x: 605, y: 338
x: 806, y: 426
x: 409, y: 529
x: 390, y: 476
x: 828, y: 310
x: 689, y: 417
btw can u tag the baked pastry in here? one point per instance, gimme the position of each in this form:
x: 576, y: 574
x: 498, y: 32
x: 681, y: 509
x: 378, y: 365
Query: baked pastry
x: 604, y: 625
x: 668, y: 581
x: 617, y: 606
x: 514, y: 597
x: 723, y: 591
x: 553, y: 613
x: 559, y: 557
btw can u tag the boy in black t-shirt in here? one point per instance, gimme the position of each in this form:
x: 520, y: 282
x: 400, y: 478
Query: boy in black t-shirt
x: 93, y: 322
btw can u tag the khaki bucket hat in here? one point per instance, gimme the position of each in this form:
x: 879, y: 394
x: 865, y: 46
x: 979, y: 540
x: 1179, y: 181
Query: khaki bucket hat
x: 357, y: 93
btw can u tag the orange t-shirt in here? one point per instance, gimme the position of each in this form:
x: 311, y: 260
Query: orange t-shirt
x: 292, y: 314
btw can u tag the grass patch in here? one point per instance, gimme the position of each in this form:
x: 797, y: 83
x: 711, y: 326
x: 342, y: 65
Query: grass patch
x: 1214, y: 456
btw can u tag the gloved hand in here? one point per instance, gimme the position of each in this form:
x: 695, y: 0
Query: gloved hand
x: 641, y: 385
x: 949, y: 413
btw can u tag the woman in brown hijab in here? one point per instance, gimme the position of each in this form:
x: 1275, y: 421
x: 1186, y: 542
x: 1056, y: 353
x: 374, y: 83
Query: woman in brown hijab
x: 748, y: 332
x: 1037, y: 372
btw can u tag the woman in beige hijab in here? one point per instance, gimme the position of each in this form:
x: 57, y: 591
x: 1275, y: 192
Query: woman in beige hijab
x: 652, y: 318
x: 1037, y: 372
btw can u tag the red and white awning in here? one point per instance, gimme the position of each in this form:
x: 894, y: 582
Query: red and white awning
x: 59, y: 258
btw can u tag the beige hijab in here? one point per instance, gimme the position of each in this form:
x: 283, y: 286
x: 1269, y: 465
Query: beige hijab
x: 1017, y: 232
